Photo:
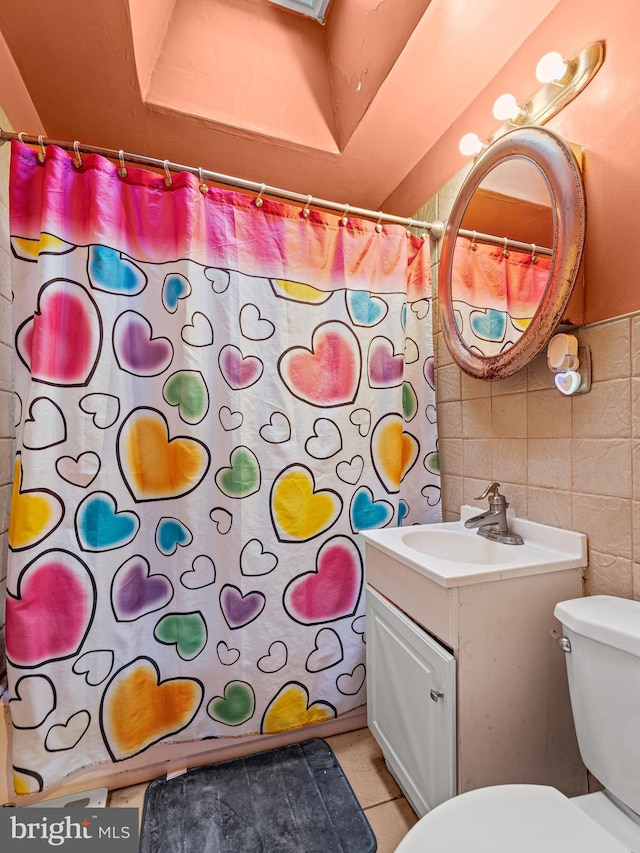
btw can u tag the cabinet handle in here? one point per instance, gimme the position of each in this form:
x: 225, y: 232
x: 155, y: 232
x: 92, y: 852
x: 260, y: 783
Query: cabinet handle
x: 436, y: 694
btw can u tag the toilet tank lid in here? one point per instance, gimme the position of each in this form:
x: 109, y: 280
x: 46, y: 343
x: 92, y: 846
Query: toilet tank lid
x: 604, y: 618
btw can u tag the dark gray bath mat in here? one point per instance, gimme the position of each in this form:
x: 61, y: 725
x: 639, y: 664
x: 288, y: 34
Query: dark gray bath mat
x: 295, y: 799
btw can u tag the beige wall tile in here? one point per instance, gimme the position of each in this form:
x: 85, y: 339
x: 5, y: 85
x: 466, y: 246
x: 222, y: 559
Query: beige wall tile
x: 448, y: 383
x: 602, y: 466
x: 450, y: 456
x: 514, y: 384
x: 635, y: 345
x: 610, y: 345
x: 550, y: 506
x: 476, y: 418
x: 516, y: 495
x: 538, y: 374
x: 608, y: 575
x: 472, y: 388
x: 549, y: 463
x: 452, y: 497
x: 604, y: 412
x: 509, y: 416
x: 449, y: 419
x: 509, y: 460
x: 548, y: 414
x: 607, y: 521
x: 477, y: 458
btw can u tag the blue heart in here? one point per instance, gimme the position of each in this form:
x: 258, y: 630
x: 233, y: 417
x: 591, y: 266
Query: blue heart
x: 175, y: 287
x: 365, y: 310
x: 403, y: 511
x: 111, y: 271
x: 367, y: 513
x: 100, y: 527
x: 489, y: 325
x: 403, y: 316
x: 170, y: 533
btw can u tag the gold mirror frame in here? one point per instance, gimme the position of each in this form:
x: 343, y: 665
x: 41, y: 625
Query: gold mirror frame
x: 561, y: 173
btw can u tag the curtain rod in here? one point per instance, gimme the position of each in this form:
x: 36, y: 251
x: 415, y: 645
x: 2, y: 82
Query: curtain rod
x: 504, y: 241
x: 435, y: 229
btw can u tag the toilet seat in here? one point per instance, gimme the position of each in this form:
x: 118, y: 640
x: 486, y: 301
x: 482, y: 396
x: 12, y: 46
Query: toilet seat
x: 508, y: 818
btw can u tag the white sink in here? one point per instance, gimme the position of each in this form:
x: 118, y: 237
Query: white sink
x: 452, y: 555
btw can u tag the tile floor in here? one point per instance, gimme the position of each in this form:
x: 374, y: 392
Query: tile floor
x: 389, y: 814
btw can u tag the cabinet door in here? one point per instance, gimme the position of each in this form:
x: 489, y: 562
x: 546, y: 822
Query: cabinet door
x: 411, y: 703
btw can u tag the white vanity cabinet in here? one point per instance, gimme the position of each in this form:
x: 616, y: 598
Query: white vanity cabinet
x: 480, y: 636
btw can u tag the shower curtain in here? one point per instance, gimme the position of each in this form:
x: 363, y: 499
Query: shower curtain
x: 213, y: 398
x: 495, y: 295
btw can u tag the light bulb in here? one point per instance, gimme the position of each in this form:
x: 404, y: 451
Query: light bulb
x: 470, y: 144
x: 506, y: 108
x: 551, y: 67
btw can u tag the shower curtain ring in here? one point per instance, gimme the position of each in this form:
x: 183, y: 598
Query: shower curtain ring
x: 168, y: 181
x: 122, y: 169
x: 42, y: 154
x: 505, y: 251
x: 204, y: 189
x: 78, y: 159
x: 534, y: 257
x: 20, y: 135
x: 379, y: 222
x: 306, y: 212
x: 474, y: 245
x: 344, y: 220
x: 259, y: 200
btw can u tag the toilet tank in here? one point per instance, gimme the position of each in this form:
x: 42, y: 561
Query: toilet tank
x: 603, y: 668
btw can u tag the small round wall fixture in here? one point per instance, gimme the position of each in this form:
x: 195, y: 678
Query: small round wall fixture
x: 511, y: 252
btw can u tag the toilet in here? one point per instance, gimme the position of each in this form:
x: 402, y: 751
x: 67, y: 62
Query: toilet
x: 602, y: 645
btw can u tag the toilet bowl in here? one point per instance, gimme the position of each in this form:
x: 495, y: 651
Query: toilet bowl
x: 602, y: 645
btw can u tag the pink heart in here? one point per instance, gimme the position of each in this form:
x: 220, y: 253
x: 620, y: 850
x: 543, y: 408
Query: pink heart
x: 43, y: 625
x: 44, y: 342
x: 329, y: 373
x: 332, y: 590
x: 237, y: 370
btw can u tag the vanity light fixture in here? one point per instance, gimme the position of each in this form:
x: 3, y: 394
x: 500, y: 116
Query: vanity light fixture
x: 562, y: 80
x: 471, y: 144
x: 506, y: 108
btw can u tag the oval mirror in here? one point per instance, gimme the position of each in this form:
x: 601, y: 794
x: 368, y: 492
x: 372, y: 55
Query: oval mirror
x: 511, y: 252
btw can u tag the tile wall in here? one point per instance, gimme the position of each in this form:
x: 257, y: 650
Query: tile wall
x: 567, y: 461
x: 6, y: 398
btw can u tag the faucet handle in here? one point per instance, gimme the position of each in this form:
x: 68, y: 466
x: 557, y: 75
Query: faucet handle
x: 491, y: 491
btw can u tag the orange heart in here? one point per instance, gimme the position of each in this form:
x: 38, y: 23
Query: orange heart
x: 138, y: 709
x: 290, y: 709
x: 155, y: 466
x: 393, y: 451
x: 34, y: 514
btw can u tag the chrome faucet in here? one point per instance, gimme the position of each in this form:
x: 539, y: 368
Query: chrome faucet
x: 493, y: 523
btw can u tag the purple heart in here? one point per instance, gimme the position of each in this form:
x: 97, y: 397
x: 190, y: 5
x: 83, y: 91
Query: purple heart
x: 385, y: 369
x: 239, y: 609
x: 238, y: 371
x: 134, y: 592
x: 137, y: 351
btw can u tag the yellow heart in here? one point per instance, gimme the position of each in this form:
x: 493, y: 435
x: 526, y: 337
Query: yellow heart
x: 300, y: 513
x: 139, y: 710
x: 394, y: 451
x: 290, y: 709
x: 299, y: 292
x: 155, y: 466
x: 34, y: 514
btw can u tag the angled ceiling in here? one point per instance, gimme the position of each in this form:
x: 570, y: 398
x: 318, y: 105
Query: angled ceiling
x: 356, y: 110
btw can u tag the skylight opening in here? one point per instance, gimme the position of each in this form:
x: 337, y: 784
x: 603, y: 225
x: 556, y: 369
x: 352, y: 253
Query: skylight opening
x: 311, y: 8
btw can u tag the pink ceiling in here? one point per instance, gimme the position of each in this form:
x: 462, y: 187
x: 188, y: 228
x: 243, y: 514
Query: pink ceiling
x: 360, y: 110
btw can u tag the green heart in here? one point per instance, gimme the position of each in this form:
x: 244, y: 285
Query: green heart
x: 409, y: 401
x: 236, y: 706
x: 187, y: 390
x: 242, y: 478
x: 432, y: 462
x: 187, y: 631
